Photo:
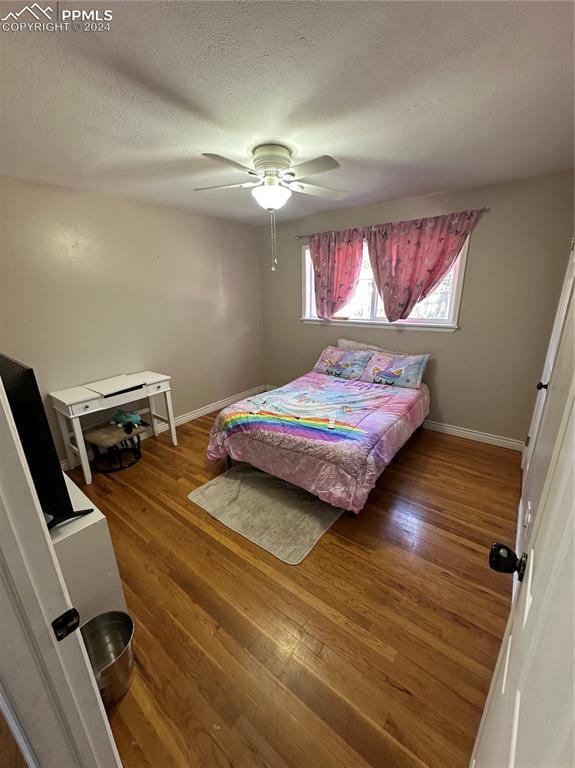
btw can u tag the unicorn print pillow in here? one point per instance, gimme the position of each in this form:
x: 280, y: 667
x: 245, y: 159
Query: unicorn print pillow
x: 343, y: 363
x: 395, y: 370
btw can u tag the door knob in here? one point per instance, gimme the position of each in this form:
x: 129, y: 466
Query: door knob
x: 541, y: 385
x: 504, y: 560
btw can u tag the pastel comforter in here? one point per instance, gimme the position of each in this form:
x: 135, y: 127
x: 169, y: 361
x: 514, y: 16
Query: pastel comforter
x: 331, y: 436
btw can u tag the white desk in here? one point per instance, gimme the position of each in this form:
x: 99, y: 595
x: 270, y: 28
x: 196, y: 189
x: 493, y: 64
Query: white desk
x: 71, y: 404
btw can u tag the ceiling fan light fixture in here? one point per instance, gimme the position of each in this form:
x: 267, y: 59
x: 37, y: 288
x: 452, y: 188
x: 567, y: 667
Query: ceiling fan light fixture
x: 270, y: 195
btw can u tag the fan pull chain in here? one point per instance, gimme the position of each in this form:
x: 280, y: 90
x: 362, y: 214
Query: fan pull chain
x: 273, y: 238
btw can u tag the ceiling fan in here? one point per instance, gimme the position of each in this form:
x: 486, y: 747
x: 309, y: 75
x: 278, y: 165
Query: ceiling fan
x: 275, y: 178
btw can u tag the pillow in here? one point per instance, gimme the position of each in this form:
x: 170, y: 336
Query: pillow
x: 395, y: 370
x: 350, y: 344
x: 346, y: 364
x: 355, y: 345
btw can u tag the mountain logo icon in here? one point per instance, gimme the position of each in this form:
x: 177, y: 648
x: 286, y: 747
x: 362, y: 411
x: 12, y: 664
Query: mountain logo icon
x: 35, y: 10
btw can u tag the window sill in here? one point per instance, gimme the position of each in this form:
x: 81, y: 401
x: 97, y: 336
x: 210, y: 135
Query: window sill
x: 442, y: 327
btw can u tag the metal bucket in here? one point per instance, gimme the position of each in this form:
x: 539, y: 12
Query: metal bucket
x: 109, y: 640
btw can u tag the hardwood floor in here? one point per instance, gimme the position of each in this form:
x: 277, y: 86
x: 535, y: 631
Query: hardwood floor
x: 10, y: 755
x: 376, y: 651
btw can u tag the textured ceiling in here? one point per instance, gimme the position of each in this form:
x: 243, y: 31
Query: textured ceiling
x: 409, y: 97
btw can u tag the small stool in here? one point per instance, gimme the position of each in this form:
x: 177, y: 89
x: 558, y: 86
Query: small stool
x: 110, y: 444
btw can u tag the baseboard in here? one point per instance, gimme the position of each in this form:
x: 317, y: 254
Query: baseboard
x: 473, y: 434
x: 436, y: 426
x: 217, y: 406
x: 468, y: 434
x: 191, y: 415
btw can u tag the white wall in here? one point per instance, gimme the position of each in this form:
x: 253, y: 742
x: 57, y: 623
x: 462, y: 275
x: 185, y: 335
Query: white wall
x: 92, y: 286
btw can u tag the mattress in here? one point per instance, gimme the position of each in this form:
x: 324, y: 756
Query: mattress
x: 331, y: 436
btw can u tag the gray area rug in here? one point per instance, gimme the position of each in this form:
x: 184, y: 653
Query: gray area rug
x: 277, y: 516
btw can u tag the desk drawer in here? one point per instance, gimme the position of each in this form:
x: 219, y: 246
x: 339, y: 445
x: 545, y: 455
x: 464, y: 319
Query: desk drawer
x: 78, y: 409
x: 157, y: 387
x: 132, y: 395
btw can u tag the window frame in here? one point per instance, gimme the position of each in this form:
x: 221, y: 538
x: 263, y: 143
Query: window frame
x: 448, y: 325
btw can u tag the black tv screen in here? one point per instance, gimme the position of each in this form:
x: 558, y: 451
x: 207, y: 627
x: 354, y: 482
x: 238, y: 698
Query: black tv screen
x: 32, y: 425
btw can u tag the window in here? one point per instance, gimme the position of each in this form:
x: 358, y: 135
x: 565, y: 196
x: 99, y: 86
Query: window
x: 439, y: 310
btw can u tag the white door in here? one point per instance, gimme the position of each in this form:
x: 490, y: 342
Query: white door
x: 562, y: 346
x: 47, y: 690
x: 529, y: 720
x: 543, y: 384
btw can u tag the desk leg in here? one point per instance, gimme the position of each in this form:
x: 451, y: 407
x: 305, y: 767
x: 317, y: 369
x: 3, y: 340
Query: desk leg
x: 65, y: 432
x: 170, y: 412
x: 81, y: 446
x: 153, y: 416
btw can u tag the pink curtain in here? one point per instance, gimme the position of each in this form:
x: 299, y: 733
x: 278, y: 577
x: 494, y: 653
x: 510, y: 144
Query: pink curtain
x: 409, y: 258
x: 336, y: 259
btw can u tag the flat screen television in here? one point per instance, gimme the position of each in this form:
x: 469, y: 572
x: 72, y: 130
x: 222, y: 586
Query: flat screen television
x: 32, y: 425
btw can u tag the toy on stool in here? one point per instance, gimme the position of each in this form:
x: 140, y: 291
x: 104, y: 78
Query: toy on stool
x: 126, y: 420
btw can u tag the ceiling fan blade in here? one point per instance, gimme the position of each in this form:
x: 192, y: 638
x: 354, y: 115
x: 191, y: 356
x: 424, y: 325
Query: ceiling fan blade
x: 244, y: 185
x: 227, y: 161
x: 317, y: 165
x: 315, y: 190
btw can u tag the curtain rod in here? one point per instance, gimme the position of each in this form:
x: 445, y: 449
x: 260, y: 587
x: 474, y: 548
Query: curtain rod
x: 306, y: 237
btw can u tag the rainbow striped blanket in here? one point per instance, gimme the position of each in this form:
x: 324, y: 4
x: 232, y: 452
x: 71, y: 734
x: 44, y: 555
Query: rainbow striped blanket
x: 313, y: 427
x: 329, y: 435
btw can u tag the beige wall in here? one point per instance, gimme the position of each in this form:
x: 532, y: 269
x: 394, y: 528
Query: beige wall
x: 92, y: 286
x: 483, y: 375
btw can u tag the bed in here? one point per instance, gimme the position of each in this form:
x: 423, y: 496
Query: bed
x: 331, y: 436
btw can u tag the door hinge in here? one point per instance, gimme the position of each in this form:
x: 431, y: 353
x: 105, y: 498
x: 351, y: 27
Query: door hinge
x: 65, y: 624
x: 527, y: 439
